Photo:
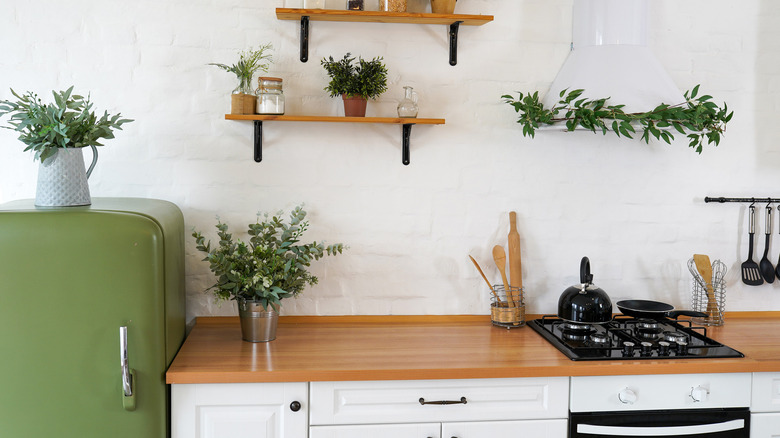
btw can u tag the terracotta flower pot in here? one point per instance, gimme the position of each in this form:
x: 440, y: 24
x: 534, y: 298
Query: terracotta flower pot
x: 354, y: 106
x: 442, y: 6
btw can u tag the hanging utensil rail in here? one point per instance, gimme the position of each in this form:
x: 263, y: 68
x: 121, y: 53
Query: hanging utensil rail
x: 722, y: 200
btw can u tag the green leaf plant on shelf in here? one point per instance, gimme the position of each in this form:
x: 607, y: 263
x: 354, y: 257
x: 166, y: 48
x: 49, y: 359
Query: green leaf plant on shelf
x: 698, y: 118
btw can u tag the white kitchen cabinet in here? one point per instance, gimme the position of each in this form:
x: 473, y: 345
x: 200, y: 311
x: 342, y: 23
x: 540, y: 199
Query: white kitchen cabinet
x: 765, y: 406
x: 556, y: 428
x: 765, y: 425
x: 422, y: 430
x: 240, y: 410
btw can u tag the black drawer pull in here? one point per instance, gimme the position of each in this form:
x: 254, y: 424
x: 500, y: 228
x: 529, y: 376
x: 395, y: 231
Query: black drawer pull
x: 444, y: 402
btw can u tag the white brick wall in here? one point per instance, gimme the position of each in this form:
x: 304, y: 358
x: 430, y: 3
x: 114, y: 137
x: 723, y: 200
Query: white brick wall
x: 636, y: 210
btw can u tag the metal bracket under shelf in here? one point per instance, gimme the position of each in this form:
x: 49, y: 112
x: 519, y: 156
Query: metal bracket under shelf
x: 406, y: 133
x: 453, y: 37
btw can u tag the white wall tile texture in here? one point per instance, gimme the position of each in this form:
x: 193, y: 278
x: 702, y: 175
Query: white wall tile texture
x: 636, y: 210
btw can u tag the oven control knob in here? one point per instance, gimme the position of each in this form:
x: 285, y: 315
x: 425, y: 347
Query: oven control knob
x: 647, y: 348
x: 663, y: 348
x: 699, y: 394
x: 628, y: 348
x: 682, y: 348
x: 627, y: 396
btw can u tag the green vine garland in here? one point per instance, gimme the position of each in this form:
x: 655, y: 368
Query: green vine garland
x: 698, y: 118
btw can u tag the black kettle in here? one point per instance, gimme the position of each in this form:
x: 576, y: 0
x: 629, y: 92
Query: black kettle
x: 585, y: 303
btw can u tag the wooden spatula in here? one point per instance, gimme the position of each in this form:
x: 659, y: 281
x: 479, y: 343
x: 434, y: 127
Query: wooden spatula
x: 500, y: 258
x: 705, y: 269
x: 515, y: 266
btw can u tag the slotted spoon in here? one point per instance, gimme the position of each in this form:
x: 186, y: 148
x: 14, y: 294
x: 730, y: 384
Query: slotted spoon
x: 751, y: 275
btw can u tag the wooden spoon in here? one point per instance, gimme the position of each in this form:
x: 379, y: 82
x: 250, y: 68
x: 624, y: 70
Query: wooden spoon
x: 498, y: 300
x: 499, y: 255
x: 704, y: 267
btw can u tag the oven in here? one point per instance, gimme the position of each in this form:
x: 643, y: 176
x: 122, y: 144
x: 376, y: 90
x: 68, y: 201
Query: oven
x: 671, y: 406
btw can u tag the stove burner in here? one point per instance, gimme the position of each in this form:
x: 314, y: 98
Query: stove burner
x: 649, y: 333
x: 574, y: 336
x: 646, y: 324
x: 599, y: 338
x: 675, y: 337
x: 576, y: 327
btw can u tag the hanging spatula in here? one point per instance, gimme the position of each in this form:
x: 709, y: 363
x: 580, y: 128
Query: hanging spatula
x: 767, y: 269
x: 751, y: 275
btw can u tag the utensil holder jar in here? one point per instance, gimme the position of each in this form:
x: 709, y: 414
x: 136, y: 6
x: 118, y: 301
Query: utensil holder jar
x: 507, y: 309
x: 700, y: 298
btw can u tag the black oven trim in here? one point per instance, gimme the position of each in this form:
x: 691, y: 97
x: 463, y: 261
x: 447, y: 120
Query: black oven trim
x: 662, y: 418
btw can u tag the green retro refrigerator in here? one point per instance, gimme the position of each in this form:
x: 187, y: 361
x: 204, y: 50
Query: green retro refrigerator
x: 91, y: 315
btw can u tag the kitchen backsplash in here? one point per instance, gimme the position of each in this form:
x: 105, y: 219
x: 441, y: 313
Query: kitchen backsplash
x: 635, y: 210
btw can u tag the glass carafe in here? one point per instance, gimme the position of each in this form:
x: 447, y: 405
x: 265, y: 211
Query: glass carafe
x: 408, y: 105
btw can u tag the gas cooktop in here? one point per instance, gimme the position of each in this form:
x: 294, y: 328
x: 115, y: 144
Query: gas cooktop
x: 625, y: 337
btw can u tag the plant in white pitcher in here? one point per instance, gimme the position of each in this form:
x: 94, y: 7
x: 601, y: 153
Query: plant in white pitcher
x: 57, y: 132
x: 261, y: 273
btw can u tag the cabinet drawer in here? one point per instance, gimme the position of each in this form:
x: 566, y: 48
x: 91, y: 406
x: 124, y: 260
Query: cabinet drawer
x: 766, y: 392
x: 399, y: 401
x: 765, y: 425
x: 558, y: 428
x: 424, y: 430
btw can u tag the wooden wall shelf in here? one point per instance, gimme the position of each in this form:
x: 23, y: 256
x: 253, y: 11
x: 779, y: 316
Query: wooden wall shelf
x: 452, y: 20
x: 406, y: 127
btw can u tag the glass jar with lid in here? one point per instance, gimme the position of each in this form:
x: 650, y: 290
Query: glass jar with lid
x: 270, y: 98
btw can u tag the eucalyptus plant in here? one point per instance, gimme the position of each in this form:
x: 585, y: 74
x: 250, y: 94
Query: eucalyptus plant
x: 249, y: 62
x: 271, y: 266
x: 367, y: 79
x: 698, y: 118
x: 69, y: 122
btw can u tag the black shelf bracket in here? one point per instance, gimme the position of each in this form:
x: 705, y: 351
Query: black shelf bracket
x: 258, y: 141
x: 454, y: 42
x: 406, y: 134
x: 304, y: 38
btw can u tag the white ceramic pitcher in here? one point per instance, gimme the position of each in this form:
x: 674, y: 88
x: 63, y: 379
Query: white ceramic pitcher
x: 62, y: 181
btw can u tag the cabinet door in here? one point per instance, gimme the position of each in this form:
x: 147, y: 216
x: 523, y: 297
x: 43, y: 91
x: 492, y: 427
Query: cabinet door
x: 424, y: 430
x: 240, y: 410
x: 765, y: 425
x: 506, y: 429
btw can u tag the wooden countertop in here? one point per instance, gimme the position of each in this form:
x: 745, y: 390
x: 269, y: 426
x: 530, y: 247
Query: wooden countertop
x: 433, y: 347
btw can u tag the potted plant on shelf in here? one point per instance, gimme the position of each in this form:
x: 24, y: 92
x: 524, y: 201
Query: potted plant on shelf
x: 243, y: 99
x: 443, y: 6
x: 259, y: 274
x: 355, y: 82
x: 57, y: 132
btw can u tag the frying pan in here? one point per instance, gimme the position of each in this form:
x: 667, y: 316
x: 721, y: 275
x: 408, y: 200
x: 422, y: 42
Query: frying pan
x: 653, y: 310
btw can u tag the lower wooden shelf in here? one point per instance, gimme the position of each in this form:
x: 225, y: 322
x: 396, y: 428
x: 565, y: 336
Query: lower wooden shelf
x: 406, y: 127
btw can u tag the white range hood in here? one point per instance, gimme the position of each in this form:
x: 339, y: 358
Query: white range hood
x: 610, y: 58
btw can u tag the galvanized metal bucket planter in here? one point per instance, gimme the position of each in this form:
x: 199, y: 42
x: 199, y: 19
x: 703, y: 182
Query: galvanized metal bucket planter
x: 257, y: 324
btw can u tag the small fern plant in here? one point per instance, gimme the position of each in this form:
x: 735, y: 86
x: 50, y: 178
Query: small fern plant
x: 249, y: 62
x: 366, y: 79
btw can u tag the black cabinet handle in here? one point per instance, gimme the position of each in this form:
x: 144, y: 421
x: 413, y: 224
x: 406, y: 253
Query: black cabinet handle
x: 444, y: 402
x: 295, y: 406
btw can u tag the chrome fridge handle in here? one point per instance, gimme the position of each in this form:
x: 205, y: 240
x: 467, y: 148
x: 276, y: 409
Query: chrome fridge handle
x: 128, y: 381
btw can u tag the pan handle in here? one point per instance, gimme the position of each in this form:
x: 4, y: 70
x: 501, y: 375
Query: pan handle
x: 675, y: 313
x: 585, y: 276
